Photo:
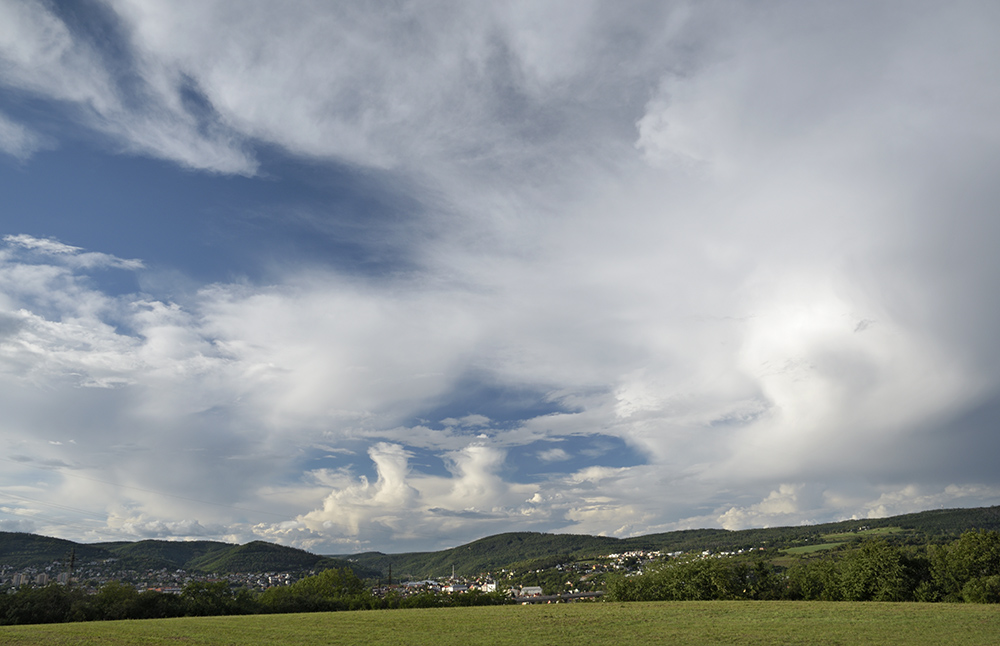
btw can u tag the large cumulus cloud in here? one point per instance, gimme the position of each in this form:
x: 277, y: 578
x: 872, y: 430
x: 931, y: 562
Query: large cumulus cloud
x: 752, y: 244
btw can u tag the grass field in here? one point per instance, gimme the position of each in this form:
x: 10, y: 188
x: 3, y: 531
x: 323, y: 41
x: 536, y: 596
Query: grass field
x: 718, y: 622
x: 867, y: 533
x: 809, y: 549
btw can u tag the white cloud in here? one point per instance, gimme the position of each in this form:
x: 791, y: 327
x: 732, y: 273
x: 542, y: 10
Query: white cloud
x: 413, y: 506
x: 781, y: 507
x: 752, y: 245
x: 915, y: 498
x: 142, y: 528
x: 468, y: 421
x: 42, y: 56
x: 553, y: 455
x: 16, y: 525
x: 73, y: 256
x: 17, y: 140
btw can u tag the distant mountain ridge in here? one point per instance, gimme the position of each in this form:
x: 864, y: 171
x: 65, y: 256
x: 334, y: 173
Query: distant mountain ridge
x: 510, y: 550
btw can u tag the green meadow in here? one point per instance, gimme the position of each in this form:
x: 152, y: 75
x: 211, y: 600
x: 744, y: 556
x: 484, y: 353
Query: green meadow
x: 675, y: 623
x: 865, y: 533
x: 838, y: 539
x: 833, y: 541
x: 809, y: 549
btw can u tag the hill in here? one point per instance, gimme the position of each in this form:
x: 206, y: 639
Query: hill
x: 19, y: 550
x: 30, y: 550
x: 259, y: 556
x: 519, y: 548
x: 154, y: 555
x: 511, y: 550
x: 485, y: 554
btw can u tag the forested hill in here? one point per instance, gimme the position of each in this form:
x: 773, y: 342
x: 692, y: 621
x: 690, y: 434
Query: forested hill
x: 486, y: 554
x: 520, y: 549
x: 934, y: 526
x: 26, y: 550
x: 513, y: 550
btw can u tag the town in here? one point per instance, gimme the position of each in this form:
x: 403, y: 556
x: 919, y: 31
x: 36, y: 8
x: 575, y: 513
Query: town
x: 579, y: 579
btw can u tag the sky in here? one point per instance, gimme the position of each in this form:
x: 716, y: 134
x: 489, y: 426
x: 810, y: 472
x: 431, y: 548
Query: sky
x: 397, y: 276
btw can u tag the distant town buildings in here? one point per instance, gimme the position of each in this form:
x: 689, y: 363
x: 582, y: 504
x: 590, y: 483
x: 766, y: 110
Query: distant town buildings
x: 569, y: 581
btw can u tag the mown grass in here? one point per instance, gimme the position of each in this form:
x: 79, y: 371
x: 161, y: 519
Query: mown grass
x: 676, y: 623
x: 809, y: 549
x: 865, y: 533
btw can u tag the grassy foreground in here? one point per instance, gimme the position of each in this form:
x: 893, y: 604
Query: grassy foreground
x: 675, y: 623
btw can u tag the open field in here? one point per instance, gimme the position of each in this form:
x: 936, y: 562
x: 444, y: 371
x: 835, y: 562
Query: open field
x: 809, y: 549
x: 719, y: 622
x: 865, y: 533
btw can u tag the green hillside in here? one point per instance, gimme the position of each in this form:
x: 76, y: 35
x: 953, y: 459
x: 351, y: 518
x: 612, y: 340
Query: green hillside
x: 505, y: 550
x: 30, y: 550
x: 152, y: 554
x: 491, y: 553
x: 259, y: 556
x: 485, y: 554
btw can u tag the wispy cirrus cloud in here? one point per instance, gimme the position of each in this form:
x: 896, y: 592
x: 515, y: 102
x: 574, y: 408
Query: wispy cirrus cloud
x: 75, y: 257
x: 47, y: 54
x: 17, y: 140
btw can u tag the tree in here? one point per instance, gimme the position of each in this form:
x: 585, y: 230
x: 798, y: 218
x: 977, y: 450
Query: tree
x: 332, y: 584
x: 157, y: 605
x: 115, y: 600
x: 875, y: 572
x: 814, y: 581
x: 48, y: 605
x: 700, y: 579
x: 203, y: 598
x: 965, y: 569
x: 333, y: 589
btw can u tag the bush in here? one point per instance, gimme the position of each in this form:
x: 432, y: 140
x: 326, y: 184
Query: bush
x: 983, y: 589
x: 698, y: 580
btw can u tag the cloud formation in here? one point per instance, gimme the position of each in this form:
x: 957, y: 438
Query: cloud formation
x: 16, y: 140
x: 750, y: 247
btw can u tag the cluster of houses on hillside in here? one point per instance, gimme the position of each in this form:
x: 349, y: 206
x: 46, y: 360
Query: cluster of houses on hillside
x: 91, y: 576
x: 572, y: 577
x: 575, y: 578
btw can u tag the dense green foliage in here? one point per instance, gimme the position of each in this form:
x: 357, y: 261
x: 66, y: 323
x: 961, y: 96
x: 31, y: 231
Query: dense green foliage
x: 595, y: 624
x: 327, y: 591
x: 699, y: 580
x: 967, y: 569
x: 57, y: 604
x: 331, y: 590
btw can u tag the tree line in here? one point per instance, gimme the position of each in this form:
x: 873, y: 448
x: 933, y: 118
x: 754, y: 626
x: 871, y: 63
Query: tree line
x: 965, y: 570
x: 331, y: 590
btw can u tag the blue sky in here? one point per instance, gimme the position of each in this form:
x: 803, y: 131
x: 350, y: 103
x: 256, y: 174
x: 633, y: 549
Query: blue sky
x: 399, y: 277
